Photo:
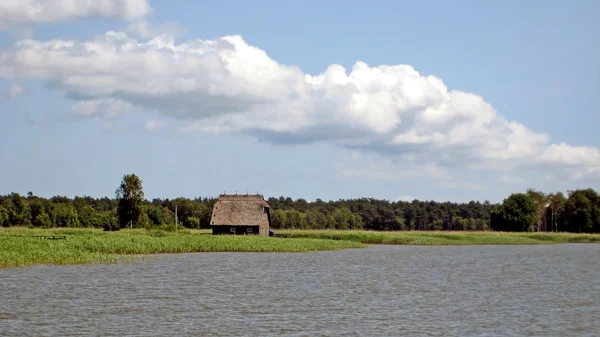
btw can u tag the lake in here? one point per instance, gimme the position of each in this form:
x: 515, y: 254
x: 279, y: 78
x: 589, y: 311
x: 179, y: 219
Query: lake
x: 542, y: 290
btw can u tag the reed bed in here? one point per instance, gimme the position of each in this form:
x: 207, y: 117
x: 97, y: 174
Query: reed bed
x: 443, y: 238
x: 19, y: 248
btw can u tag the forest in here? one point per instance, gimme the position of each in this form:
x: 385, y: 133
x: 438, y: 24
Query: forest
x: 529, y: 211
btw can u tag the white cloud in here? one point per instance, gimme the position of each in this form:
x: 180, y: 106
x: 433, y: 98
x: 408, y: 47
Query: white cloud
x: 107, y: 107
x: 155, y: 125
x: 145, y: 29
x: 508, y: 179
x: 23, y: 12
x: 413, y: 122
x: 14, y: 91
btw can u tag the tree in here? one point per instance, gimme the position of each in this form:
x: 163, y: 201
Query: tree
x: 295, y: 219
x: 278, y: 218
x: 517, y: 213
x: 86, y: 214
x: 107, y: 220
x: 316, y: 219
x: 550, y: 212
x: 65, y: 215
x: 582, y: 211
x: 540, y: 200
x: 40, y: 210
x: 19, y: 214
x: 481, y: 225
x: 156, y: 215
x: 85, y: 210
x: 438, y: 225
x: 206, y: 214
x: 42, y: 220
x: 556, y: 209
x: 131, y: 201
x: 343, y: 218
x: 3, y: 216
x: 192, y: 222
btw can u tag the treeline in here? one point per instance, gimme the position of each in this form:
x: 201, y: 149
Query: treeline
x: 535, y: 211
x: 59, y: 211
x: 380, y: 215
x: 531, y: 211
x: 371, y: 214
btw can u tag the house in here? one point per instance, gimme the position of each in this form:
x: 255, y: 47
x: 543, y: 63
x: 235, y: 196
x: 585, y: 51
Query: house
x: 240, y: 214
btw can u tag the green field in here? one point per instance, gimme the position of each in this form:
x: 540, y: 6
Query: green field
x: 18, y: 248
x: 443, y: 238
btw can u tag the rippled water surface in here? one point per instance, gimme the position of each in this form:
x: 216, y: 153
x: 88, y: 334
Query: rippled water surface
x: 550, y: 290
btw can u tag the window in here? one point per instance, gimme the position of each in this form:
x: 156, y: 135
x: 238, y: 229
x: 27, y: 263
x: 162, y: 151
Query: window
x: 249, y: 230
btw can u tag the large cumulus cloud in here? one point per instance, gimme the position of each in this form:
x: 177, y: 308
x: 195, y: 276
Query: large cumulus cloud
x: 226, y: 85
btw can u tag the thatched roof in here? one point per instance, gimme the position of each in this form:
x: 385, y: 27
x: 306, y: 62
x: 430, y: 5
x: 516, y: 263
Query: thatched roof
x: 239, y: 209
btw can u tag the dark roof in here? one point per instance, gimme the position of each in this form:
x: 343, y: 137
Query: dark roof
x: 238, y: 209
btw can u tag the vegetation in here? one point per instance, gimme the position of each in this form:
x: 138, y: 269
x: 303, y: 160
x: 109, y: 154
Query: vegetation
x: 532, y: 211
x: 21, y: 248
x: 516, y: 214
x: 444, y: 238
x: 130, y: 208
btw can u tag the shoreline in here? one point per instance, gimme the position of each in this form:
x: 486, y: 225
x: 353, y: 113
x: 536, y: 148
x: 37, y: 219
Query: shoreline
x: 438, y: 238
x: 84, y: 246
x: 21, y: 247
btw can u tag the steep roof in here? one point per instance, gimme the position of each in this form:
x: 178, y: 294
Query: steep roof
x: 238, y: 209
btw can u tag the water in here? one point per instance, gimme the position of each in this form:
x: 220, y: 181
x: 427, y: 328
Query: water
x: 550, y: 290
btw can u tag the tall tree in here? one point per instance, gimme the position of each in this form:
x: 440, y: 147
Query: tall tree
x: 131, y: 201
x: 19, y: 214
x: 278, y: 218
x: 516, y: 214
x: 582, y: 210
x: 556, y: 210
x: 65, y: 215
x: 541, y: 201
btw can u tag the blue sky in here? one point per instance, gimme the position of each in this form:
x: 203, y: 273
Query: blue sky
x: 495, y: 97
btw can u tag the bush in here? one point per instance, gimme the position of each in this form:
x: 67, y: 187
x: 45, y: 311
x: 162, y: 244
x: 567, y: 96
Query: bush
x: 111, y: 226
x: 42, y: 220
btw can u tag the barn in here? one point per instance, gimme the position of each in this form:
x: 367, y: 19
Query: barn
x: 239, y: 214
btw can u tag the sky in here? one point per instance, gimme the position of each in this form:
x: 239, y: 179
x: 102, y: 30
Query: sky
x: 429, y: 100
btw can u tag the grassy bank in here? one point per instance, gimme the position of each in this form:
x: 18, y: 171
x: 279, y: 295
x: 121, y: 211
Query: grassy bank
x: 444, y: 238
x: 18, y: 248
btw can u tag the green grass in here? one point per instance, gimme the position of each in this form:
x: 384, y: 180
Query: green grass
x: 96, y: 246
x: 443, y: 238
x: 82, y: 246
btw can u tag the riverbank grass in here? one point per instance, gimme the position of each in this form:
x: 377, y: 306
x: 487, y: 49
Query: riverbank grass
x: 443, y: 238
x: 19, y: 247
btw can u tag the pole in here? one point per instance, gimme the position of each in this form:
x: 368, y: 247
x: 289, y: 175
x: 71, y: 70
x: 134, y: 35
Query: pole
x: 175, y: 218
